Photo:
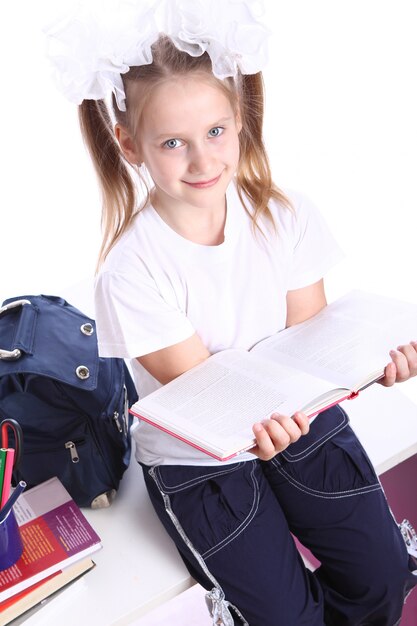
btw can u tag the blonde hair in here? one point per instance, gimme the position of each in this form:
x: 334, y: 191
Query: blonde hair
x: 118, y: 179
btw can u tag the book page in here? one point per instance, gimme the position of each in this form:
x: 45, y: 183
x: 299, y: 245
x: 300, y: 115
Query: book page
x: 347, y: 341
x: 224, y: 396
x: 40, y: 500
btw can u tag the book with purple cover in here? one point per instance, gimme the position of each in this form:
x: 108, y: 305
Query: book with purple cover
x: 55, y: 535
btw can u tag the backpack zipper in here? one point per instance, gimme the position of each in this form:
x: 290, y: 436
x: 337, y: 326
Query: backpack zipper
x: 121, y: 424
x: 117, y: 421
x: 70, y: 445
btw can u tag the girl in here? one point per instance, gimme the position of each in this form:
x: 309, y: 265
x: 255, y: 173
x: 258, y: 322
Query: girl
x: 215, y: 257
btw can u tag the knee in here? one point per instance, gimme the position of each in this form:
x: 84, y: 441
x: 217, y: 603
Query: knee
x: 394, y: 575
x: 377, y: 596
x: 384, y: 601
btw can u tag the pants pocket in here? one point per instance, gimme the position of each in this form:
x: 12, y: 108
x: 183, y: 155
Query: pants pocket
x: 329, y: 462
x: 212, y: 506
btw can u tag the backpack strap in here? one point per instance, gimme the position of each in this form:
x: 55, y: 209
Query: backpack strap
x: 46, y: 336
x: 23, y: 338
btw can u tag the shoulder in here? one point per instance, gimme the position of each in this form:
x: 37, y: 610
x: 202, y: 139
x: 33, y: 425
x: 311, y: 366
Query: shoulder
x: 299, y: 206
x: 297, y: 217
x: 126, y: 266
x: 134, y: 246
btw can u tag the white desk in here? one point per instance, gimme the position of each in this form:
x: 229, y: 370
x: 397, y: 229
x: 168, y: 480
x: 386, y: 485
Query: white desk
x: 138, y: 567
x: 385, y: 421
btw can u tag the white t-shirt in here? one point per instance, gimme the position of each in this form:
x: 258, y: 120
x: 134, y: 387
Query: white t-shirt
x: 156, y: 289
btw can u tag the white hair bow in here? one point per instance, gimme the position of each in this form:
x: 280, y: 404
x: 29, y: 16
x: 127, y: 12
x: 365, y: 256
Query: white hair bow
x: 98, y: 41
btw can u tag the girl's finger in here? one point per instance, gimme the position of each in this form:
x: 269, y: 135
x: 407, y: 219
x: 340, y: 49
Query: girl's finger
x: 410, y: 352
x: 277, y: 423
x: 401, y: 364
x: 302, y: 422
x: 389, y: 376
x: 277, y: 433
x: 264, y: 448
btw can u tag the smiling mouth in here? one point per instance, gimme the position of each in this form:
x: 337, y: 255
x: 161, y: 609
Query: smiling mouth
x: 204, y: 183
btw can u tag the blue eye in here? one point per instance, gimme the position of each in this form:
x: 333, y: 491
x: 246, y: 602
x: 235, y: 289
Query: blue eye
x: 216, y: 132
x: 172, y: 143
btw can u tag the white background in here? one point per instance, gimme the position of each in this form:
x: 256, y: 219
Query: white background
x: 341, y: 126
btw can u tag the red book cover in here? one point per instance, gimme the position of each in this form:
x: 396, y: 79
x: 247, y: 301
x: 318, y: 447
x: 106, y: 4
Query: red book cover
x: 55, y: 534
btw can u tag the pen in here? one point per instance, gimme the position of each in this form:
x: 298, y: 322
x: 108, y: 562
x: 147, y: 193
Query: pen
x: 12, y: 455
x: 7, y: 477
x: 2, y: 467
x: 16, y: 429
x: 5, y: 510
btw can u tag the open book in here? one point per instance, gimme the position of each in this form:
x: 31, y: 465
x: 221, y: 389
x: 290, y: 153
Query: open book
x: 309, y: 367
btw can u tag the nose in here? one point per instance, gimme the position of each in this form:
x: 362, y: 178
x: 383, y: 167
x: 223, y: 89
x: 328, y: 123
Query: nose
x: 200, y: 160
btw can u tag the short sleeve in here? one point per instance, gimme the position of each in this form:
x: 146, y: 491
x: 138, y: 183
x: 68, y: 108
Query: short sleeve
x: 133, y: 318
x: 315, y: 250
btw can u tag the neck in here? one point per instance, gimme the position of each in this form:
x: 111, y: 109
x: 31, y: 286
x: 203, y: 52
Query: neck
x: 204, y: 226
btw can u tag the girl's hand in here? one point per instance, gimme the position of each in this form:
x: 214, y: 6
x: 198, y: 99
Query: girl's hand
x: 403, y: 365
x: 276, y: 433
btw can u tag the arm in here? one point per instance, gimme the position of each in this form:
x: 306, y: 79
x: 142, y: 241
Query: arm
x: 272, y: 437
x: 304, y: 303
x: 276, y: 433
x: 170, y: 362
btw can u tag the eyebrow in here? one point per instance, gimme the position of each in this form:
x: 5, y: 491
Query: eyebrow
x: 220, y: 122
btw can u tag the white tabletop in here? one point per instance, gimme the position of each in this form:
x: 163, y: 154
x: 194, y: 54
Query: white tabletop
x: 138, y: 567
x: 385, y: 420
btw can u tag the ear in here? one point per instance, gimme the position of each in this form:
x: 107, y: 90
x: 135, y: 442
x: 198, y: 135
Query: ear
x: 127, y: 145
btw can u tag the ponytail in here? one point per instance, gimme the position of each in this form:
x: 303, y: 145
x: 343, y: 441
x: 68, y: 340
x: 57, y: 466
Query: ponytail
x: 116, y: 183
x: 254, y: 173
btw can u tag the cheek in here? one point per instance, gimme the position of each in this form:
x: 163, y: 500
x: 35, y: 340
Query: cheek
x: 162, y: 169
x: 228, y: 152
x: 235, y: 151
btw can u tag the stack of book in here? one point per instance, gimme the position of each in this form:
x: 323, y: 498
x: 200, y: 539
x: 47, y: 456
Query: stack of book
x: 58, y: 543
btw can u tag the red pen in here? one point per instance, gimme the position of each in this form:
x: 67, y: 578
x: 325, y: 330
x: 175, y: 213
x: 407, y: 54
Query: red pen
x: 12, y: 455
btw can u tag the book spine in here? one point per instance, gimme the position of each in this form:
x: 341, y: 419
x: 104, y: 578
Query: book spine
x: 332, y: 404
x: 183, y: 439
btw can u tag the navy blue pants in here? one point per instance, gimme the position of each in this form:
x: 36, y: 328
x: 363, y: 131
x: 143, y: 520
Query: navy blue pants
x: 233, y: 526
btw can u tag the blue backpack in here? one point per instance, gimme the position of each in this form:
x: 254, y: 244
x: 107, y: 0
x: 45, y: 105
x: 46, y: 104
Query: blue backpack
x: 71, y: 405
